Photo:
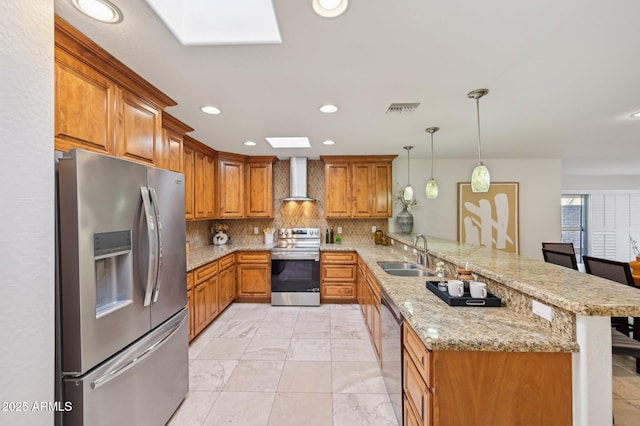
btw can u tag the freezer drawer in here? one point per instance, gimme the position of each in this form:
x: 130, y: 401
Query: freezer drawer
x: 142, y: 385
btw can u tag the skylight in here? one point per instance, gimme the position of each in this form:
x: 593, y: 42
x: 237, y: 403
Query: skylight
x: 204, y: 22
x: 289, y: 142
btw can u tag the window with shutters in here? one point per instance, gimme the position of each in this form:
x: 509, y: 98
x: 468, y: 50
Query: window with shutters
x: 613, y: 218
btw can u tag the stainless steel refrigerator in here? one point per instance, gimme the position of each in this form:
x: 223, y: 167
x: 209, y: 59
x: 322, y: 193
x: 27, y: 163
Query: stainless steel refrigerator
x: 123, y: 325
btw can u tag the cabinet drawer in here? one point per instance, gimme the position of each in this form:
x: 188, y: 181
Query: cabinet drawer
x: 253, y: 257
x: 416, y: 392
x: 226, y: 262
x: 339, y: 273
x: 420, y: 355
x: 338, y: 257
x: 338, y: 291
x: 206, y: 271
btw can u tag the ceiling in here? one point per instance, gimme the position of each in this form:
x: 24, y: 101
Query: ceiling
x: 563, y: 78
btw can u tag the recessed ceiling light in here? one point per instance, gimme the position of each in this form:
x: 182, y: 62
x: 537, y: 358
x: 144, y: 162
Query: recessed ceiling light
x: 289, y: 142
x: 330, y: 8
x: 100, y: 10
x: 250, y: 143
x: 209, y: 109
x: 636, y: 115
x: 328, y: 142
x: 329, y: 108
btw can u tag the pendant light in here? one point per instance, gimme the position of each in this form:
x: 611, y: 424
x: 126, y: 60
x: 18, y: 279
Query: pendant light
x: 431, y: 190
x: 407, y: 194
x: 480, y: 179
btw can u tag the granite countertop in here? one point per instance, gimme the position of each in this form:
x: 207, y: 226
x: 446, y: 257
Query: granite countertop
x: 442, y: 327
x: 573, y: 291
x: 202, y: 255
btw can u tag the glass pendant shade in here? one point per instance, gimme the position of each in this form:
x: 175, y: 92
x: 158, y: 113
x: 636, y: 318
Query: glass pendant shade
x: 432, y: 188
x: 407, y: 194
x: 431, y: 191
x: 480, y: 179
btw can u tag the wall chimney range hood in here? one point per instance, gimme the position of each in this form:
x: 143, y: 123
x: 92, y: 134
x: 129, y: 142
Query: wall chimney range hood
x: 298, y: 180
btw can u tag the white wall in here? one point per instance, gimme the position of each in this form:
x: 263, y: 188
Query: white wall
x: 540, y: 192
x: 582, y: 184
x: 27, y: 206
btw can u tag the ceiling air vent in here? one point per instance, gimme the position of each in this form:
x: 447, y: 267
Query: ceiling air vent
x: 400, y: 108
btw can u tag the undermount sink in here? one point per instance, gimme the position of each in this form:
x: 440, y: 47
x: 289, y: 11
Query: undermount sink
x: 398, y: 265
x: 405, y: 269
x: 410, y: 272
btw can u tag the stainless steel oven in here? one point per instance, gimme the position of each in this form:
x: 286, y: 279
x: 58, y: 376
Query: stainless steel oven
x: 295, y: 268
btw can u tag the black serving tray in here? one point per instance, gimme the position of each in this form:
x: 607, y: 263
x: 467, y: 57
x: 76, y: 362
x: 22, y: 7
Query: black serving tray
x: 491, y: 301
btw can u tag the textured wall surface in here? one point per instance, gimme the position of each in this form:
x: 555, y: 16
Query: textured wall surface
x: 27, y: 212
x: 288, y: 214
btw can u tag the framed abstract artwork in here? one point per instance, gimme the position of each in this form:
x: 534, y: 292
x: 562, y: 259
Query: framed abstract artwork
x: 490, y: 218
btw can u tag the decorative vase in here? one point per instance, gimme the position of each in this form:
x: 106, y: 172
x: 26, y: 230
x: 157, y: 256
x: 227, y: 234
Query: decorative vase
x: 405, y: 221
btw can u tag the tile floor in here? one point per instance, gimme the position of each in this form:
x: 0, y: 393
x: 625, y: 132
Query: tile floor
x: 263, y: 365
x: 626, y: 391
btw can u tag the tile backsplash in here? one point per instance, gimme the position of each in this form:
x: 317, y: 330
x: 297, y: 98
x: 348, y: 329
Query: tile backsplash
x: 287, y: 214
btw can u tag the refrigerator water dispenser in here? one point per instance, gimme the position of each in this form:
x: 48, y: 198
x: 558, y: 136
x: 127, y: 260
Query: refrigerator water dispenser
x: 113, y: 271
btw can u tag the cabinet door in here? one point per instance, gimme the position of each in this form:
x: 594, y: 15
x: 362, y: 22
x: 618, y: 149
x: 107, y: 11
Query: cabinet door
x: 231, y: 284
x: 84, y: 107
x: 212, y: 298
x: 381, y: 190
x: 192, y: 314
x: 139, y: 130
x: 172, y: 148
x: 204, y: 189
x: 259, y: 189
x: 360, y: 292
x: 337, y: 190
x: 189, y: 159
x: 254, y: 281
x: 362, y: 189
x: 200, y: 308
x: 231, y: 186
x: 227, y: 286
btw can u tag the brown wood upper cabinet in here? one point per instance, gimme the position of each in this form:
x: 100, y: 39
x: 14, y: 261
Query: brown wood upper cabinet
x: 245, y: 186
x: 173, y: 131
x: 358, y: 186
x: 259, y: 186
x: 199, y: 170
x: 103, y: 106
x: 230, y: 182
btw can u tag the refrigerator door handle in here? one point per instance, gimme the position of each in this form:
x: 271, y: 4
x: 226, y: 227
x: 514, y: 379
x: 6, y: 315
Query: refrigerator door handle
x: 110, y: 375
x: 154, y: 202
x: 152, y: 237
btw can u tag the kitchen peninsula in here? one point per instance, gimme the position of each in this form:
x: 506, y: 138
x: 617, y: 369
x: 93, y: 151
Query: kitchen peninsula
x: 578, y: 331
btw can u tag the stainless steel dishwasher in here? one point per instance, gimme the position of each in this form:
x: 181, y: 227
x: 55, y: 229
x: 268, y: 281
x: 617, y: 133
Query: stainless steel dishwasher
x: 392, y: 321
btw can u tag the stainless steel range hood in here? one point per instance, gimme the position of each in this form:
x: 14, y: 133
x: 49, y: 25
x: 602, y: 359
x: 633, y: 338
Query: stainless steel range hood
x: 298, y: 180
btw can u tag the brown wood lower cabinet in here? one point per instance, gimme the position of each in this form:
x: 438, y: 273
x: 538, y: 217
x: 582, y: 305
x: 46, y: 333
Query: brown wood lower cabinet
x: 226, y: 281
x: 444, y: 388
x: 338, y: 276
x: 369, y: 297
x: 210, y: 289
x: 191, y: 305
x: 254, y: 276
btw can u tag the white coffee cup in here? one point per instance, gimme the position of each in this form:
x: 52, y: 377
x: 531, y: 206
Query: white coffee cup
x: 456, y: 288
x: 478, y: 290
